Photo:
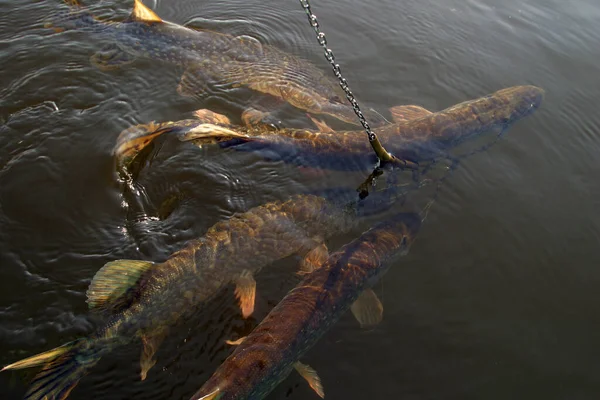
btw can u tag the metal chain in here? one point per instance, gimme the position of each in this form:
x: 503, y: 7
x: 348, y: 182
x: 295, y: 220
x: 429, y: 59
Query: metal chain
x: 312, y: 19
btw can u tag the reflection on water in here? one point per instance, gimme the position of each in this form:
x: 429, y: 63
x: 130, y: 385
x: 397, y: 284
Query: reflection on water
x: 494, y: 298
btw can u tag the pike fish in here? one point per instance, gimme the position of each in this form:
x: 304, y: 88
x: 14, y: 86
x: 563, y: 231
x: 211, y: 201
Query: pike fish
x: 417, y: 136
x: 141, y: 299
x: 272, y: 350
x: 211, y: 57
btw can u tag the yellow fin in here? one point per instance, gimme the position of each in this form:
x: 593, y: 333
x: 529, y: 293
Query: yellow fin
x: 236, y: 342
x: 311, y: 377
x: 113, y: 280
x: 314, y: 259
x: 245, y: 291
x: 143, y: 14
x: 210, y: 134
x: 211, y: 117
x: 41, y: 358
x: 367, y: 309
x: 406, y: 113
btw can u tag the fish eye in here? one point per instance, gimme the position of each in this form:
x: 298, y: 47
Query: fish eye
x: 404, y: 241
x: 335, y: 99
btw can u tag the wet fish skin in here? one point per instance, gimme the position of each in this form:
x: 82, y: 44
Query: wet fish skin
x: 165, y: 292
x: 418, y: 140
x: 213, y: 57
x: 267, y: 356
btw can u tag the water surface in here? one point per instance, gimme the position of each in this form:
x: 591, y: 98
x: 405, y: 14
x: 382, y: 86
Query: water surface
x: 499, y: 295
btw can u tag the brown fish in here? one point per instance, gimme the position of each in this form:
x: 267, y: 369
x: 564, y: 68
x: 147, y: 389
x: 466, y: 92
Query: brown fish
x: 418, y: 136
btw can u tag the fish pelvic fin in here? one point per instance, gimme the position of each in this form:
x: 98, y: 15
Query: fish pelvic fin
x: 311, y: 377
x: 367, y: 309
x: 112, y: 281
x: 142, y: 13
x: 64, y: 367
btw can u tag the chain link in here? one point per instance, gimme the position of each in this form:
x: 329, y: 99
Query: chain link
x: 312, y: 19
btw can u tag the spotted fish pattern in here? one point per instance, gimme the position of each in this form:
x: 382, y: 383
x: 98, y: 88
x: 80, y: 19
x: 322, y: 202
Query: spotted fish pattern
x: 211, y: 57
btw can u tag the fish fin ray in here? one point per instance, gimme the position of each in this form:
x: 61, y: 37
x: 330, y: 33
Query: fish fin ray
x: 311, y: 377
x: 42, y: 358
x: 314, y: 259
x: 193, y: 83
x: 321, y: 125
x: 150, y: 342
x: 367, y: 309
x: 236, y: 342
x: 245, y: 291
x: 142, y: 13
x: 111, y: 57
x: 210, y: 134
x: 408, y: 112
x: 215, y: 395
x: 211, y: 117
x: 113, y: 280
x: 58, y: 378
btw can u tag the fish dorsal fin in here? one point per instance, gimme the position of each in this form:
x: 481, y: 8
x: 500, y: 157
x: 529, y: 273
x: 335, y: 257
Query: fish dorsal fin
x: 113, y: 280
x: 142, y: 13
x: 407, y: 113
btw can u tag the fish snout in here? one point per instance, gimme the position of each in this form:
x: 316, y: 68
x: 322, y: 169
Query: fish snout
x: 526, y: 99
x: 344, y: 112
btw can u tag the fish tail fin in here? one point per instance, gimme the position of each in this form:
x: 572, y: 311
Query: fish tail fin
x: 63, y: 367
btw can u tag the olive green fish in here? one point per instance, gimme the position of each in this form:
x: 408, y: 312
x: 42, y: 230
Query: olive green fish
x: 141, y: 299
x: 272, y: 350
x: 214, y: 58
x: 417, y: 136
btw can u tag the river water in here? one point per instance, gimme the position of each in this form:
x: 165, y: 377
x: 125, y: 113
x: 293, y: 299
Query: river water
x: 498, y: 297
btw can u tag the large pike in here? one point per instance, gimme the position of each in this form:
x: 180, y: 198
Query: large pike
x: 141, y: 299
x: 211, y: 57
x: 273, y: 349
x: 417, y: 136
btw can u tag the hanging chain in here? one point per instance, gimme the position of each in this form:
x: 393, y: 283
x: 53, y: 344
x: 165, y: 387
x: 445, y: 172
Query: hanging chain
x: 312, y: 19
x: 383, y: 155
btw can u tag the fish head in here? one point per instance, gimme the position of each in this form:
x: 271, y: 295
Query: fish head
x: 409, y: 226
x: 521, y: 101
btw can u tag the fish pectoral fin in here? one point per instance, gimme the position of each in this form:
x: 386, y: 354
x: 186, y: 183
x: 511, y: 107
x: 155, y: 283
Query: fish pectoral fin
x: 314, y: 259
x: 236, y: 342
x: 142, y: 13
x: 211, y: 117
x: 150, y: 343
x: 367, y: 309
x: 111, y: 57
x: 113, y: 280
x: 245, y: 291
x: 407, y: 113
x: 193, y: 82
x: 207, y: 133
x: 321, y: 125
x: 311, y: 377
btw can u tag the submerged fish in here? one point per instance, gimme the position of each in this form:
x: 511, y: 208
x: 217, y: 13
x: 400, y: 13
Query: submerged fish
x: 213, y: 57
x: 273, y: 349
x: 141, y: 299
x: 417, y: 135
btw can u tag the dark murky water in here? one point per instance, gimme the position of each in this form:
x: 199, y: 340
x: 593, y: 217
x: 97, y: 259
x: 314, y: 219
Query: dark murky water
x: 499, y: 295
